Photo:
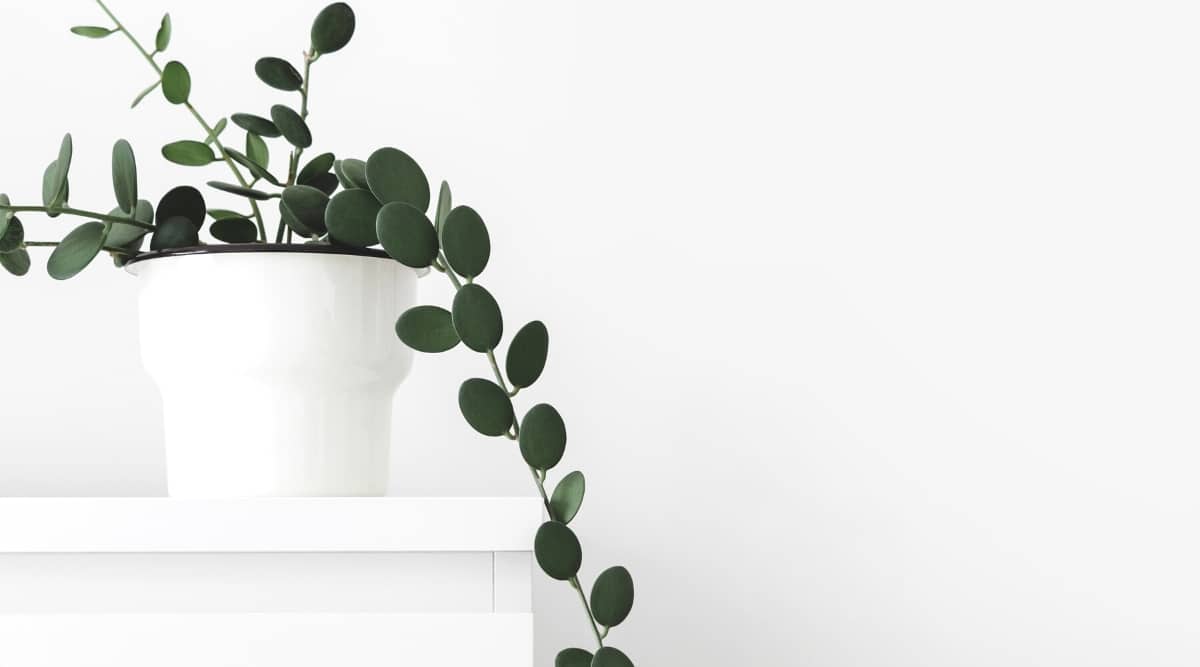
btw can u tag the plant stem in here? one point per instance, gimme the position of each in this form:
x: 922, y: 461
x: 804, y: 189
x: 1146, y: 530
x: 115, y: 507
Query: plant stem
x: 262, y: 231
x: 294, y: 159
x: 81, y: 213
x: 51, y: 244
x: 591, y: 617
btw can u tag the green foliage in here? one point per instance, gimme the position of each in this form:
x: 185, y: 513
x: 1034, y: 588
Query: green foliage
x: 393, y: 176
x: 612, y: 596
x: 257, y: 151
x: 316, y: 167
x: 76, y: 250
x: 176, y: 232
x: 406, y: 234
x: 333, y: 28
x: 94, y: 32
x: 255, y: 169
x: 350, y: 218
x: 162, y: 38
x: 427, y: 329
x: 527, y: 354
x: 55, y: 188
x: 477, y: 318
x: 13, y: 236
x: 189, y: 153
x: 278, y: 73
x: 216, y: 131
x: 306, y: 209
x: 181, y: 202
x: 443, y: 207
x: 465, y: 242
x: 16, y: 262
x: 543, y: 437
x: 291, y: 125
x: 557, y: 550
x: 176, y: 82
x: 124, y: 175
x: 485, y: 406
x: 568, y: 497
x: 573, y: 657
x: 611, y: 657
x: 234, y: 230
x: 146, y: 91
x: 256, y: 124
x: 239, y: 190
x: 351, y: 173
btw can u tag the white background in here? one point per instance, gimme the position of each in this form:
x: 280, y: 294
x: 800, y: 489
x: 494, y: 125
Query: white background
x: 874, y: 324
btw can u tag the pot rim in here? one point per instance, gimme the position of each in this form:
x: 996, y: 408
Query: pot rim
x: 238, y: 248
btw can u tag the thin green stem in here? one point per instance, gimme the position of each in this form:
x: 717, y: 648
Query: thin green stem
x: 237, y: 173
x: 51, y: 244
x: 499, y: 377
x: 81, y: 213
x: 591, y: 617
x: 294, y: 158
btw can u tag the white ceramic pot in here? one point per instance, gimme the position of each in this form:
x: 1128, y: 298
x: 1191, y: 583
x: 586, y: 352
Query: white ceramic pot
x: 277, y: 366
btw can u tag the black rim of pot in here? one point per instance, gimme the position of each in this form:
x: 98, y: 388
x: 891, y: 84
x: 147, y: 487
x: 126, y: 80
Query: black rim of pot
x: 259, y: 248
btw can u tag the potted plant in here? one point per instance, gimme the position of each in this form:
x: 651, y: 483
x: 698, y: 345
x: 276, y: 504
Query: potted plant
x: 309, y: 411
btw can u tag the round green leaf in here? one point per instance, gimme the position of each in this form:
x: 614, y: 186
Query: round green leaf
x: 162, y: 39
x: 256, y: 150
x: 291, y: 125
x: 394, y: 176
x: 333, y: 28
x: 120, y: 234
x: 406, y: 234
x: 189, y: 153
x: 49, y: 194
x: 278, y: 73
x: 124, y: 175
x: 611, y: 657
x: 568, y: 497
x: 239, y: 190
x: 543, y: 437
x: 176, y: 82
x: 234, y: 230
x: 13, y: 236
x: 350, y: 217
x: 486, y: 407
x: 256, y: 124
x: 557, y: 550
x: 54, y: 181
x: 307, y: 206
x: 477, y: 318
x: 573, y: 657
x: 16, y: 262
x: 427, y: 329
x: 76, y: 250
x: 177, y: 232
x: 181, y: 202
x: 92, y: 31
x: 527, y: 354
x: 466, y: 242
x: 327, y: 183
x: 321, y: 164
x: 351, y: 173
x: 612, y: 596
x: 443, y: 207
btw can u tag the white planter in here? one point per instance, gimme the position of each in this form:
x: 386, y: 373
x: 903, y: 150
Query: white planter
x: 277, y: 367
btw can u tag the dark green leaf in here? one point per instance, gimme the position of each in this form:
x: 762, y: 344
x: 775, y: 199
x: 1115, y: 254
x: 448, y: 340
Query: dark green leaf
x: 293, y: 223
x: 443, y: 207
x: 222, y: 213
x: 5, y: 214
x: 177, y: 232
x: 278, y: 73
x: 573, y: 657
x: 291, y: 125
x: 465, y: 242
x: 307, y: 206
x: 216, y: 131
x: 350, y: 218
x: 143, y: 212
x: 612, y: 596
x: 162, y: 39
x: 394, y: 176
x: 333, y: 28
x: 477, y: 318
x: 13, y: 236
x: 543, y: 437
x: 254, y: 167
x: 485, y: 406
x: 189, y: 153
x: 326, y: 183
x: 406, y: 234
x: 54, y: 182
x: 121, y: 234
x: 181, y: 202
x: 142, y: 95
x: 318, y: 165
x: 176, y: 82
x: 124, y: 175
x: 527, y: 354
x: 241, y: 191
x: 234, y: 230
x: 16, y: 262
x: 95, y: 32
x: 427, y: 329
x: 256, y: 124
x: 611, y: 657
x: 76, y: 250
x: 568, y: 497
x: 351, y: 173
x: 557, y: 550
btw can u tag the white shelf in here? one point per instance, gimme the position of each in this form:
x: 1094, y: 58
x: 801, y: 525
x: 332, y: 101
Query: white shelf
x: 167, y: 525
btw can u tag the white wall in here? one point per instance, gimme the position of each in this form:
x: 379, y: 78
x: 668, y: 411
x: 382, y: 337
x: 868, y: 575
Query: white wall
x: 873, y: 323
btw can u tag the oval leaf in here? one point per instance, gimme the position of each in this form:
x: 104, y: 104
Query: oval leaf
x: 611, y: 657
x: 477, y: 318
x: 557, y: 550
x: 292, y: 126
x: 120, y: 234
x: 177, y: 232
x: 124, y: 175
x: 427, y: 329
x: 466, y: 242
x: 181, y: 202
x: 568, y: 497
x: 256, y: 149
x: 406, y: 234
x: 543, y: 437
x: 351, y: 173
x: 176, y: 82
x: 76, y: 250
x: 485, y: 406
x: 278, y: 73
x: 327, y: 183
x: 234, y: 230
x: 54, y: 180
x: 254, y: 167
x: 256, y: 124
x: 16, y: 262
x: 189, y: 153
x: 394, y: 176
x: 573, y: 657
x: 307, y: 206
x: 317, y: 166
x: 333, y: 28
x: 527, y: 354
x: 216, y: 131
x: 162, y: 39
x: 350, y: 218
x: 92, y: 31
x: 239, y: 190
x: 443, y: 207
x: 612, y: 596
x: 5, y: 214
x: 13, y: 236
